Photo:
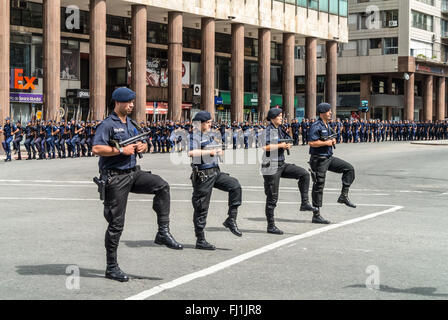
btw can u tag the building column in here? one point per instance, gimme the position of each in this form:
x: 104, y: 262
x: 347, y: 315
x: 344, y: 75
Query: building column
x: 428, y: 88
x: 440, y: 113
x: 139, y: 21
x: 52, y: 58
x: 389, y: 113
x: 175, y: 22
x: 237, y: 72
x: 98, y: 71
x: 4, y: 62
x: 331, y: 77
x: 288, y: 76
x: 208, y: 65
x: 264, y: 72
x: 366, y: 81
x: 410, y: 96
x: 310, y: 78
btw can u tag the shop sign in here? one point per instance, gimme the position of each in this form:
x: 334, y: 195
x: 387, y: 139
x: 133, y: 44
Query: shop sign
x: 219, y: 100
x: 25, y: 97
x: 83, y: 94
x: 18, y: 81
x: 429, y: 69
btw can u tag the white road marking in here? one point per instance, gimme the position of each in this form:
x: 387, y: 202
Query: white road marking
x: 179, y: 200
x: 180, y: 186
x: 172, y: 188
x: 246, y: 256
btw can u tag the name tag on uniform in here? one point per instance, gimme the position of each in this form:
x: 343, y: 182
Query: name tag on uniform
x: 324, y: 131
x: 116, y: 130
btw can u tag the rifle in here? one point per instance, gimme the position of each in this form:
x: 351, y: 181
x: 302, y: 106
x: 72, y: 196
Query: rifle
x: 330, y: 137
x: 288, y: 141
x: 214, y: 146
x: 132, y: 140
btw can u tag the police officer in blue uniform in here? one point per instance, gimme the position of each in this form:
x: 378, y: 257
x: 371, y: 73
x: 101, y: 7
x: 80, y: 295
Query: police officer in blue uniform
x: 118, y: 168
x: 7, y: 133
x: 274, y: 167
x: 29, y: 136
x: 322, y: 160
x: 205, y: 153
x: 18, y: 137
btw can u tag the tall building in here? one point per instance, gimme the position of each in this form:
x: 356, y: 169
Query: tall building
x: 234, y: 58
x: 395, y: 60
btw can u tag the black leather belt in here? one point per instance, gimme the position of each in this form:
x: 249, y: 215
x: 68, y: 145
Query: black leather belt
x: 209, y: 170
x: 116, y: 172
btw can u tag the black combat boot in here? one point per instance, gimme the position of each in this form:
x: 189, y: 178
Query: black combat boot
x: 271, y: 225
x: 306, y: 206
x: 343, y: 198
x: 114, y: 272
x: 231, y: 222
x: 317, y: 218
x: 164, y: 237
x: 201, y: 243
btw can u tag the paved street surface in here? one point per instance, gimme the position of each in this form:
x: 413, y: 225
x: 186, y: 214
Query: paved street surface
x: 52, y: 222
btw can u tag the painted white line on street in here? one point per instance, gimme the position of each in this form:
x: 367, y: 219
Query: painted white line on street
x: 180, y: 200
x: 246, y: 256
x: 51, y: 183
x: 172, y: 188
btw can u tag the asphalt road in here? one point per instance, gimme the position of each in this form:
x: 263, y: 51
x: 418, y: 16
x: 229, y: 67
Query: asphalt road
x: 395, y: 241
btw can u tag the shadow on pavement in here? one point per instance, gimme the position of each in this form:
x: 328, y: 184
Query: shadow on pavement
x: 60, y: 270
x: 422, y: 291
x: 280, y: 220
x: 143, y: 244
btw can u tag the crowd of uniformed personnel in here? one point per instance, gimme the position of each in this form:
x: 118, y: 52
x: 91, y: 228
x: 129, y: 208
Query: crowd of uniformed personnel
x: 72, y: 139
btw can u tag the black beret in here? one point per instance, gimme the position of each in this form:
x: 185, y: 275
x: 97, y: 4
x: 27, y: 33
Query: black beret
x: 323, y: 107
x: 123, y: 94
x: 274, y: 112
x: 202, y: 116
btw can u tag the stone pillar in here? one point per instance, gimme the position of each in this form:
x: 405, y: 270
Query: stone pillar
x: 237, y: 72
x: 264, y: 72
x: 428, y: 88
x: 365, y: 91
x: 52, y: 58
x: 389, y: 113
x: 4, y: 62
x: 98, y: 70
x: 208, y: 65
x: 288, y: 76
x: 440, y: 113
x: 139, y: 20
x: 409, y: 97
x: 331, y: 79
x: 175, y: 21
x: 310, y: 77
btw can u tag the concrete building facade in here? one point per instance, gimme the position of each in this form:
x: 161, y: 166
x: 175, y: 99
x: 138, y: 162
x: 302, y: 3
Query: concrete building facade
x: 395, y: 59
x: 234, y: 58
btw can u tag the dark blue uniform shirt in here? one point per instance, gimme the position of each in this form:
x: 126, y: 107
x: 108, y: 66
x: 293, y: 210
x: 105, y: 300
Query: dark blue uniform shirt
x: 201, y: 141
x: 318, y: 130
x: 113, y: 129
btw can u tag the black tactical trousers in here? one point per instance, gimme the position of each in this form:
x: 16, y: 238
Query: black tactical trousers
x: 117, y: 191
x: 320, y: 165
x: 272, y: 183
x: 202, y: 191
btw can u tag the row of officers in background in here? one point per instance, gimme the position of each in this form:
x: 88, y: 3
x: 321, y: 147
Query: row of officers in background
x: 45, y: 139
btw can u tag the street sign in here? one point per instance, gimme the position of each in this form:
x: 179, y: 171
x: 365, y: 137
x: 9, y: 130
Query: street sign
x: 364, y: 106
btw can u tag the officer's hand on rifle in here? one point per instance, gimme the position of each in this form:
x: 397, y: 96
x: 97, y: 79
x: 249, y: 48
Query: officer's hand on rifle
x: 129, y: 150
x: 141, y: 147
x: 285, y: 146
x: 216, y: 152
x: 331, y: 142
